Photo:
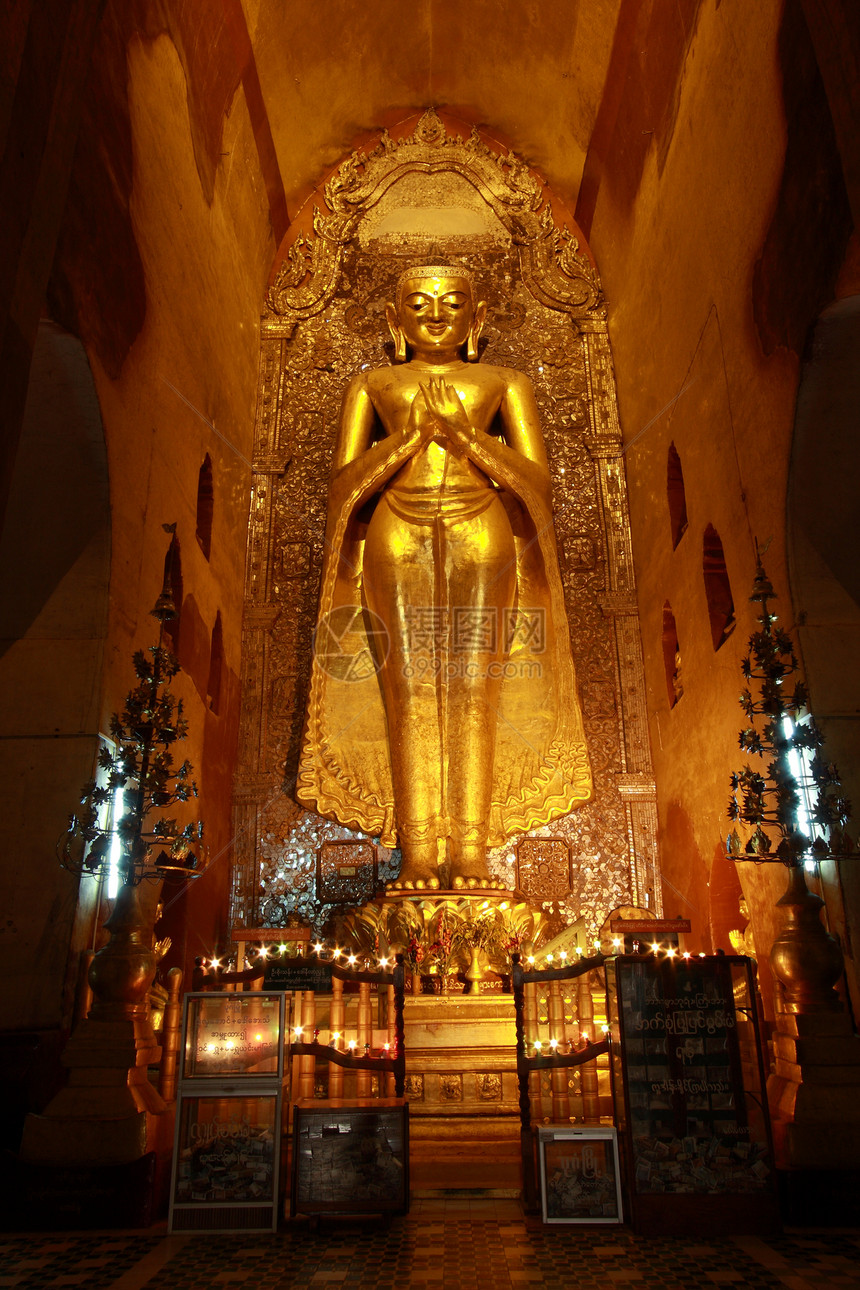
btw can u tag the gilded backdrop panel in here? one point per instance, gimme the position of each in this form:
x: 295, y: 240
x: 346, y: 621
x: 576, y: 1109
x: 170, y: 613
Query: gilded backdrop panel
x: 432, y: 197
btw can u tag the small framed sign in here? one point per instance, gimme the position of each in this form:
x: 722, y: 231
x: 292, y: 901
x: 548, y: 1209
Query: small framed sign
x: 232, y: 1036
x: 579, y: 1175
x: 298, y: 974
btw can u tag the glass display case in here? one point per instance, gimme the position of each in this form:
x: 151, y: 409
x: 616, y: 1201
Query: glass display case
x: 228, y: 1117
x: 350, y: 1157
x: 695, y: 1108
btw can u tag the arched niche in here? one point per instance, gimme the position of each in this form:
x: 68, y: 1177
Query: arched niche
x: 439, y: 192
x: 824, y: 569
x: 55, y: 568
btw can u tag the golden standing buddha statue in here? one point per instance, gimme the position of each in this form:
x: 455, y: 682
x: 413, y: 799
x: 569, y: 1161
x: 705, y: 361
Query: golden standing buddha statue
x: 443, y: 713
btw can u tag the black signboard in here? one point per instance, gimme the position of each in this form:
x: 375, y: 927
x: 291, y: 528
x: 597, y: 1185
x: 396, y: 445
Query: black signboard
x: 297, y: 974
x: 696, y: 1118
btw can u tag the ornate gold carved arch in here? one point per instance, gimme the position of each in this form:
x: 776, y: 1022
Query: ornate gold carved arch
x: 430, y: 195
x: 553, y: 268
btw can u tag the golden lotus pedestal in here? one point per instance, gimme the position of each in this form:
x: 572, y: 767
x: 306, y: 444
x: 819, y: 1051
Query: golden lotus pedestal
x: 461, y: 1084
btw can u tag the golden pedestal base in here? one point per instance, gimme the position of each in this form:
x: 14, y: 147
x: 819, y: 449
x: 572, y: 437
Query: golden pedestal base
x: 461, y: 1084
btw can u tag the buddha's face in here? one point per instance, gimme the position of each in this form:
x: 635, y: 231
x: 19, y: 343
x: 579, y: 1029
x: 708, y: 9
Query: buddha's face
x: 435, y: 315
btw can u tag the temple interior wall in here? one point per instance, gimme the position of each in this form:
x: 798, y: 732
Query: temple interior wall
x: 703, y: 150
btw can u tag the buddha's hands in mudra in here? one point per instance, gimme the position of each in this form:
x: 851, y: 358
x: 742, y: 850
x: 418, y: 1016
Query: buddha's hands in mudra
x: 438, y: 414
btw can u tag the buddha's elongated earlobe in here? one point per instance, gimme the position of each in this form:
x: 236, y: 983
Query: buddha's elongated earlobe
x: 475, y: 332
x: 396, y: 334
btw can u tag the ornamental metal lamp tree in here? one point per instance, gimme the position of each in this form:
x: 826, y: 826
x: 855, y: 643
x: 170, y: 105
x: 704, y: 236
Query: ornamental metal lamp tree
x: 788, y: 805
x: 100, y: 1117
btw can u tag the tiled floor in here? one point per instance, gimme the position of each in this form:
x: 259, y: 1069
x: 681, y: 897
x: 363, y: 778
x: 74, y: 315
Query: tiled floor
x: 451, y: 1244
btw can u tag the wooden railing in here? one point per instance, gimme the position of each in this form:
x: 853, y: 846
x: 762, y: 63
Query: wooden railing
x: 391, y: 1063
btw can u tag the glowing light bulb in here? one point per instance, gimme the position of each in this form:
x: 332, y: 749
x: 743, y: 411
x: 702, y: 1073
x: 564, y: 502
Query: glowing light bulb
x: 549, y: 958
x: 319, y: 947
x: 210, y: 1048
x: 686, y: 954
x: 605, y: 1029
x: 352, y: 960
x: 282, y: 948
x: 654, y: 946
x: 671, y: 952
x: 351, y: 1044
x: 616, y: 942
x: 579, y: 950
x: 564, y: 956
x: 383, y: 963
x: 387, y: 1047
x: 701, y: 954
x: 298, y: 1032
x: 215, y: 963
x: 538, y: 1045
x: 259, y: 1038
x: 531, y: 958
x: 553, y: 1043
x: 263, y: 952
x: 335, y: 1037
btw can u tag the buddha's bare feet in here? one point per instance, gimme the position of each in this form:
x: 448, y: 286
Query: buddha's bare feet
x: 415, y: 879
x: 471, y: 881
x: 469, y: 868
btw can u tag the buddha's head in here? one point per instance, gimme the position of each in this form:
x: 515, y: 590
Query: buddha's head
x: 435, y: 314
